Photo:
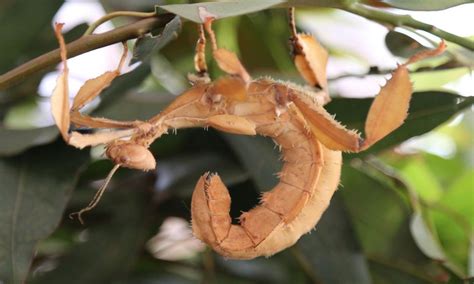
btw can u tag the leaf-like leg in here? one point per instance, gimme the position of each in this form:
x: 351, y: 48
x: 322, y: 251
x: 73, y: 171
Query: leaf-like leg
x: 227, y: 60
x: 60, y: 96
x: 90, y: 90
x: 387, y: 112
x: 79, y: 140
x: 93, y: 87
x: 390, y: 107
x: 62, y: 113
x: 99, y: 122
x: 232, y: 124
x: 310, y: 58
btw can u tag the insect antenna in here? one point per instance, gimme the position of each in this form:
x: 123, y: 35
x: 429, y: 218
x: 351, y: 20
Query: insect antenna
x: 98, y: 195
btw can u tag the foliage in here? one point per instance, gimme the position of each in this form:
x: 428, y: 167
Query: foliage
x: 397, y: 218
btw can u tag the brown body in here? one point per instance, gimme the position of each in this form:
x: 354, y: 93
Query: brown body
x: 308, y: 179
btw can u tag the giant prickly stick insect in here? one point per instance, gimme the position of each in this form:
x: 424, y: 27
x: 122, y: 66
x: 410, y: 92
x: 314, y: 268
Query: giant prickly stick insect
x: 310, y: 139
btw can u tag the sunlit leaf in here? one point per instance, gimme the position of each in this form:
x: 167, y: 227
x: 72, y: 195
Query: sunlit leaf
x: 457, y: 196
x: 424, y: 238
x: 35, y: 188
x: 436, y: 79
x: 422, y: 180
x: 453, y: 235
x: 470, y: 269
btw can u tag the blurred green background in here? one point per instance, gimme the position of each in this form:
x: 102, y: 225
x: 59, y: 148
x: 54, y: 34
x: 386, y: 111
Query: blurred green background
x: 404, y: 212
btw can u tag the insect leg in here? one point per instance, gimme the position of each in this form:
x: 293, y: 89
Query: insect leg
x: 310, y: 58
x: 227, y: 60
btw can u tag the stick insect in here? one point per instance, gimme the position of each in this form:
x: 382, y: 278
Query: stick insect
x: 310, y: 139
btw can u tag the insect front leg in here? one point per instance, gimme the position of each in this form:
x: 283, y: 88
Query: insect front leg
x: 63, y: 114
x: 226, y: 60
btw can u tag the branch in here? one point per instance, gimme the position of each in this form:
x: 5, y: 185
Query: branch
x: 407, y: 21
x: 83, y: 45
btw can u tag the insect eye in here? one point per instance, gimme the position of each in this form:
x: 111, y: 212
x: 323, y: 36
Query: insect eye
x: 132, y: 156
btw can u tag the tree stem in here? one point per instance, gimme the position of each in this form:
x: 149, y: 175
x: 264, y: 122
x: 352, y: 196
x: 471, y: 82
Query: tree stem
x: 407, y: 21
x: 82, y: 45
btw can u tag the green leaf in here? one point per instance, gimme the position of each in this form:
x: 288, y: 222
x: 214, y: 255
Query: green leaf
x: 15, y: 141
x: 470, y: 269
x: 198, y: 11
x: 333, y: 250
x: 459, y: 197
x: 453, y: 235
x: 279, y: 269
x: 402, y: 45
x: 316, y: 3
x: 425, y: 5
x: 381, y: 215
x: 145, y: 46
x: 424, y: 182
x: 181, y: 172
x: 436, y: 79
x: 427, y: 111
x: 20, y: 22
x: 139, y: 106
x: 35, y: 189
x: 112, y: 247
x: 259, y: 156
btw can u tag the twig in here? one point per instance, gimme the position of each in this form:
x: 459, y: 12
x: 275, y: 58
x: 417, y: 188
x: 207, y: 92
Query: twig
x: 112, y: 15
x: 83, y: 45
x: 406, y: 21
